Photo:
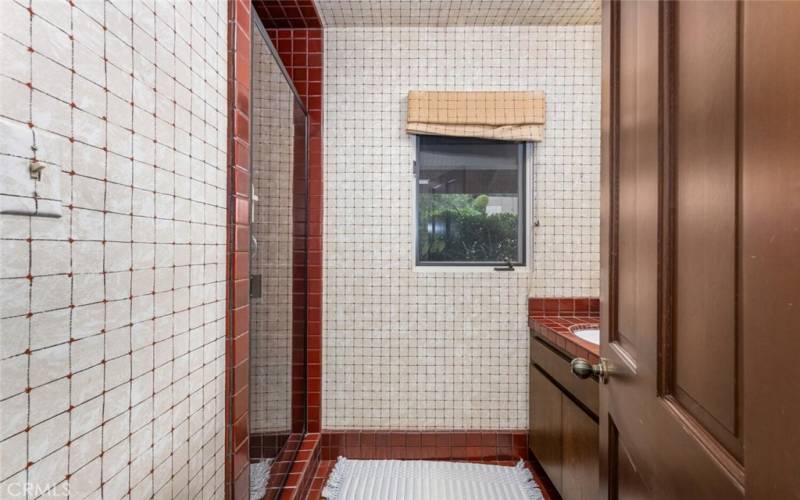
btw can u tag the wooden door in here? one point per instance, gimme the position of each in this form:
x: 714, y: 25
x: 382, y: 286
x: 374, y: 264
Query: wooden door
x: 700, y: 250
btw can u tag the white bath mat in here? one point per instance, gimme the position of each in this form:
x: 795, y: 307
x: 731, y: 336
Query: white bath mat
x: 259, y: 478
x: 428, y: 480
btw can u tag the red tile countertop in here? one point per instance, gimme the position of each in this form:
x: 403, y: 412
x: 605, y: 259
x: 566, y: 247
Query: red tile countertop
x: 554, y: 319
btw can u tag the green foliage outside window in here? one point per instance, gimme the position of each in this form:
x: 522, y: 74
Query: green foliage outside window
x: 456, y: 227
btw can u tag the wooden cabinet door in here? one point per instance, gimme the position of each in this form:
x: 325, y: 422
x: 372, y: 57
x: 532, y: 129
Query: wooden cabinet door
x: 700, y: 250
x: 580, y: 466
x: 545, y: 425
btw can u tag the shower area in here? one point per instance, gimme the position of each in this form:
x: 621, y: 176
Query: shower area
x: 278, y: 269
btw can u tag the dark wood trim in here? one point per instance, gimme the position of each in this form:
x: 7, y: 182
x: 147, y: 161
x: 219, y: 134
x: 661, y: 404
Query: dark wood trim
x: 609, y: 121
x: 611, y: 160
x: 666, y: 229
x: 739, y: 304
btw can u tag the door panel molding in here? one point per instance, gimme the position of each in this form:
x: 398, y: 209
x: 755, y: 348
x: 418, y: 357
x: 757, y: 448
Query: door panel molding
x: 707, y: 282
x: 729, y: 463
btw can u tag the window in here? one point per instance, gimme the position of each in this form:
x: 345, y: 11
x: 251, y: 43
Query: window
x: 470, y: 201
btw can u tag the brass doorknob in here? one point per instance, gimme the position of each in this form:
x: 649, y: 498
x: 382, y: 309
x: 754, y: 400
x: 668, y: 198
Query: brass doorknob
x: 583, y: 369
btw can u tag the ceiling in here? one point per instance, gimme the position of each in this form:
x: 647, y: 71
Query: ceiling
x: 287, y: 13
x: 443, y: 13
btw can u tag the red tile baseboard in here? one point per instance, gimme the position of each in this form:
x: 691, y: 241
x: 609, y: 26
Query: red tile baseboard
x: 490, y: 445
x: 301, y: 475
x: 281, y: 468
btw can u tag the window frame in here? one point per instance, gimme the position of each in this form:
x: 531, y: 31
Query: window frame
x: 524, y: 181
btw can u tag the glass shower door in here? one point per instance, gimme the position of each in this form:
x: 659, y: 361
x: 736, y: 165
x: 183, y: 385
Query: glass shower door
x: 278, y: 270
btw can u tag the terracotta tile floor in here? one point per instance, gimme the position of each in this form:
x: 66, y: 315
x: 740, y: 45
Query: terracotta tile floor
x: 325, y: 467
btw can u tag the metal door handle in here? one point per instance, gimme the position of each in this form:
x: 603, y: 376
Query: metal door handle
x: 583, y: 369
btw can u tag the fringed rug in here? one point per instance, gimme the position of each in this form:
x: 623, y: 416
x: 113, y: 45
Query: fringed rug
x: 428, y: 480
x: 259, y: 478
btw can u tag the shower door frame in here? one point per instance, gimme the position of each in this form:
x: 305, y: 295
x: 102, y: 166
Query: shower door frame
x: 307, y: 57
x: 299, y: 387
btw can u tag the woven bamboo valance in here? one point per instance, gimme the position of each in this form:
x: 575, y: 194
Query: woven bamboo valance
x: 507, y: 116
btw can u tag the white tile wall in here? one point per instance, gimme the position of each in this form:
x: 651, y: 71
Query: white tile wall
x: 112, y: 317
x: 407, y: 349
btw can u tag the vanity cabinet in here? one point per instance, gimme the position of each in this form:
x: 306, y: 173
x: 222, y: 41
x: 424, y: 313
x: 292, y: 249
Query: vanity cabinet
x: 564, y: 432
x: 546, y: 425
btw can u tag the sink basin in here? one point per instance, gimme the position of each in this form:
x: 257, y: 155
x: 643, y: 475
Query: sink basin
x: 591, y: 335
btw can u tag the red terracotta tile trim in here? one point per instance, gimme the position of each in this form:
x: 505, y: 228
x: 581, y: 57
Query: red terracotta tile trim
x: 306, y: 49
x: 281, y: 467
x: 423, y: 445
x: 553, y: 320
x: 564, y: 306
x: 301, y: 51
x: 299, y: 275
x: 301, y: 471
x: 237, y: 439
x: 305, y: 55
x: 268, y: 445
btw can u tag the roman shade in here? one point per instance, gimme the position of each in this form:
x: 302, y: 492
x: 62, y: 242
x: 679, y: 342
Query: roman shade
x: 507, y: 116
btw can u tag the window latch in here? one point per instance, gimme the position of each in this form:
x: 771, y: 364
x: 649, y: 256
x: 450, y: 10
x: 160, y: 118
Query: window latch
x: 36, y: 170
x: 508, y: 267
